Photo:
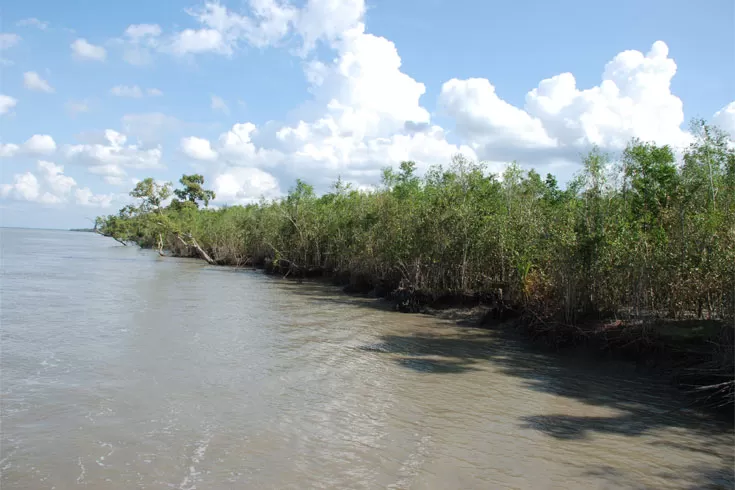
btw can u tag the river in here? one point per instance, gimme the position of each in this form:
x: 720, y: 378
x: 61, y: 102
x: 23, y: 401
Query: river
x: 122, y: 369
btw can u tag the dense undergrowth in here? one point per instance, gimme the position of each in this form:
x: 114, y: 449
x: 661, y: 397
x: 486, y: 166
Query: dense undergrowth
x: 637, y: 240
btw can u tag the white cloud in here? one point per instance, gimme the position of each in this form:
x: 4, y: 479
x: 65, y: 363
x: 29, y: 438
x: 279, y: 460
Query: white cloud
x: 25, y: 187
x: 84, y: 50
x: 139, y: 32
x: 8, y: 40
x: 271, y: 21
x: 8, y: 150
x: 244, y: 185
x: 218, y: 104
x: 327, y: 20
x: 198, y: 148
x: 190, y: 41
x: 7, y: 103
x: 38, y: 144
x: 110, y: 156
x: 85, y: 197
x: 222, y: 29
x: 33, y: 22
x: 154, y: 92
x: 725, y: 119
x: 125, y: 91
x: 559, y: 119
x: 53, y: 175
x: 366, y: 112
x: 33, y: 81
x: 51, y: 187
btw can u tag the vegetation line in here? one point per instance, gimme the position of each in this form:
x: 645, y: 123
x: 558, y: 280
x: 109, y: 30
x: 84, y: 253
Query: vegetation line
x: 627, y: 246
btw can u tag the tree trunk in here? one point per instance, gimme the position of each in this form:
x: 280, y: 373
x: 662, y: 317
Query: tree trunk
x: 202, y: 253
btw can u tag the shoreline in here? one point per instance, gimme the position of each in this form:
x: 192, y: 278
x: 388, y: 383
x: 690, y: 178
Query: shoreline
x: 694, y: 355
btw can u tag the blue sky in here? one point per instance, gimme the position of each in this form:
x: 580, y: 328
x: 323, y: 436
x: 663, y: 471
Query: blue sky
x: 256, y: 93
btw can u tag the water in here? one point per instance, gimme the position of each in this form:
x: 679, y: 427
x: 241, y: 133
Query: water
x: 122, y: 369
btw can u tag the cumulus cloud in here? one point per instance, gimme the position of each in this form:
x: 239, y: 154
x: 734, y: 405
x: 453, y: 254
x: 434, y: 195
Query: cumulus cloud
x: 725, y: 119
x: 271, y: 21
x: 218, y: 104
x: 25, y: 187
x: 245, y: 185
x: 84, y: 50
x: 7, y: 103
x: 33, y: 22
x: 198, y: 148
x: 190, y: 41
x: 38, y: 144
x: 559, y: 119
x: 367, y: 113
x: 33, y: 81
x: 8, y: 150
x: 85, y: 197
x: 222, y: 29
x: 110, y: 156
x: 50, y: 186
x: 327, y: 21
x: 8, y: 40
x: 54, y: 177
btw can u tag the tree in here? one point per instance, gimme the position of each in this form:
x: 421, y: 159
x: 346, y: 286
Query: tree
x: 151, y: 195
x: 193, y: 191
x: 651, y: 173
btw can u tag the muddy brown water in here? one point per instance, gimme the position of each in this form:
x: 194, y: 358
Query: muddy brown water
x: 121, y: 369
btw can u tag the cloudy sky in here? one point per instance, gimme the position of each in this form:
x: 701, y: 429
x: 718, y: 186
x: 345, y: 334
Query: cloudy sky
x: 255, y: 93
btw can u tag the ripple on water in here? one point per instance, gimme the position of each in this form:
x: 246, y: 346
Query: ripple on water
x: 158, y: 373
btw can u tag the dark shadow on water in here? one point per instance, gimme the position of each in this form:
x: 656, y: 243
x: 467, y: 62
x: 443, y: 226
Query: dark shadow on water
x: 699, y: 478
x: 573, y: 428
x: 435, y: 365
x: 642, y: 403
x: 323, y: 292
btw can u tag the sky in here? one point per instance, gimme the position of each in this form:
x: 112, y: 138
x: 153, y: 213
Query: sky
x: 254, y: 94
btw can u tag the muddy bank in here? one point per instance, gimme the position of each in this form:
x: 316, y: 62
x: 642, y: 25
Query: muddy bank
x: 695, y: 355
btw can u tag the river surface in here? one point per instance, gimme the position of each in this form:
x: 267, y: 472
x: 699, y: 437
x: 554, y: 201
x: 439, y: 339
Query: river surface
x: 122, y: 369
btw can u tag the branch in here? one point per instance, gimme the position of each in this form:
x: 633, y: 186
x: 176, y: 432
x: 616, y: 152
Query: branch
x: 110, y: 236
x: 202, y: 253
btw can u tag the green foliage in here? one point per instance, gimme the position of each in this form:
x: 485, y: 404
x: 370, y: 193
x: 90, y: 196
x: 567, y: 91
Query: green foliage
x: 647, y: 236
x: 193, y: 192
x: 151, y: 195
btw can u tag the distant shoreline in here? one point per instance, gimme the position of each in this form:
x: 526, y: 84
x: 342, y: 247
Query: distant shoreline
x: 40, y: 229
